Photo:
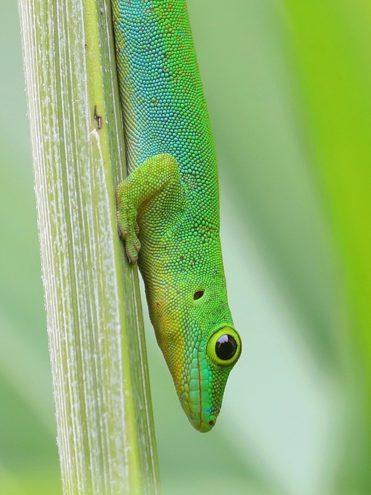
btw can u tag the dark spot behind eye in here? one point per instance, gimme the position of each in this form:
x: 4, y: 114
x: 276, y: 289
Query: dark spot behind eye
x: 198, y: 294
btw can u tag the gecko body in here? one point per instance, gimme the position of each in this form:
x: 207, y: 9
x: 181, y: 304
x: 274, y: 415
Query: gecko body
x: 168, y: 207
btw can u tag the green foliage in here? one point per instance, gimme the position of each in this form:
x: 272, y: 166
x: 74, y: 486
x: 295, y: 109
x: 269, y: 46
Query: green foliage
x: 330, y: 41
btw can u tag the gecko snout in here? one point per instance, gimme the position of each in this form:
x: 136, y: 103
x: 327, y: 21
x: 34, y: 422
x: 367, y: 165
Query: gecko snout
x: 209, y: 371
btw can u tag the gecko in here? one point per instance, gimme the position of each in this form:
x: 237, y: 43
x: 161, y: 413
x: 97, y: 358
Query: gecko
x: 168, y: 206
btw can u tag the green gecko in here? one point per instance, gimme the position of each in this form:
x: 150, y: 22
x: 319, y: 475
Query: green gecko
x: 168, y: 207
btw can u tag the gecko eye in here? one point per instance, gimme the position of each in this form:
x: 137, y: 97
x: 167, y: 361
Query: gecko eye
x: 198, y: 294
x: 224, y: 347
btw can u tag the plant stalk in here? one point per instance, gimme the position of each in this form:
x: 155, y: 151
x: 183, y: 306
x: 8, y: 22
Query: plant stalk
x: 101, y: 388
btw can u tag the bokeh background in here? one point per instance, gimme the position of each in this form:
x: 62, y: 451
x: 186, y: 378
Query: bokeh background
x: 289, y: 90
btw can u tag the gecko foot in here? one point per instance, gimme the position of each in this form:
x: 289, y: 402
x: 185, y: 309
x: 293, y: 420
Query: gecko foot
x: 127, y: 222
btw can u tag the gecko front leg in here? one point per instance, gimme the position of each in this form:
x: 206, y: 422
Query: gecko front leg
x: 146, y: 182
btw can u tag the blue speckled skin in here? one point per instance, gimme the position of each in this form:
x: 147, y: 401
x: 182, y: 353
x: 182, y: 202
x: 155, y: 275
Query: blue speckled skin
x: 171, y: 195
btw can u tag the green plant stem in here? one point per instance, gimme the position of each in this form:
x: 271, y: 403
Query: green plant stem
x: 103, y: 410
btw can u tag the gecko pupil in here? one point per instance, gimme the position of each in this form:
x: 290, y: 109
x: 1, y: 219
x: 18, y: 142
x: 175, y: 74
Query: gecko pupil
x: 226, y: 347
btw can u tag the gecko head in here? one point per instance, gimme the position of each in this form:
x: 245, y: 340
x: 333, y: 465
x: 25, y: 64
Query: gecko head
x: 194, y: 330
x: 200, y: 358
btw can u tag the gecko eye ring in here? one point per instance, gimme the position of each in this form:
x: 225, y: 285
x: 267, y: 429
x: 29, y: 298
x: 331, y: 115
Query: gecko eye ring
x: 224, y: 347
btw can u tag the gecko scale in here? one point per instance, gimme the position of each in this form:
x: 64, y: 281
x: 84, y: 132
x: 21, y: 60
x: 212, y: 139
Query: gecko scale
x: 168, y: 207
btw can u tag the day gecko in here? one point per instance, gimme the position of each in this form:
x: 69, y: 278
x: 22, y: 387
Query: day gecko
x: 168, y: 207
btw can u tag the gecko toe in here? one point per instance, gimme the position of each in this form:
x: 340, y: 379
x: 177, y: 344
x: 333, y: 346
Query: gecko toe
x: 132, y: 245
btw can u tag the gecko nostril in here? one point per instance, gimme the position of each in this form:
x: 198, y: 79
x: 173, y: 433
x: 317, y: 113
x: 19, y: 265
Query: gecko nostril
x: 211, y: 422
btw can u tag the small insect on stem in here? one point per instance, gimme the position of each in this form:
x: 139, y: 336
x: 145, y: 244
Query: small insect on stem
x: 98, y: 119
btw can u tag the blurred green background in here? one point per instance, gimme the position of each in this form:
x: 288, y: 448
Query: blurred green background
x: 289, y: 90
